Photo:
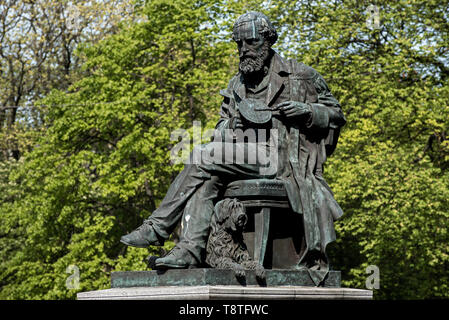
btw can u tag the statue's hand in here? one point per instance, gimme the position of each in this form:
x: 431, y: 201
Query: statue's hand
x: 236, y: 122
x: 292, y: 109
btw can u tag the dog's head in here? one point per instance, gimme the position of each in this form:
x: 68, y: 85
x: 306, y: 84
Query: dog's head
x: 231, y: 214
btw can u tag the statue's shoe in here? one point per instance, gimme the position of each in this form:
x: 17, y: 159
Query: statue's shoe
x: 143, y: 237
x: 177, y: 258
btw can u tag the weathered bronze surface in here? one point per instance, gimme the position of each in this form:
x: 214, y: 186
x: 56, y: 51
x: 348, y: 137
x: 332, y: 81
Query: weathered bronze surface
x: 226, y: 248
x: 209, y: 276
x: 291, y: 210
x: 255, y: 111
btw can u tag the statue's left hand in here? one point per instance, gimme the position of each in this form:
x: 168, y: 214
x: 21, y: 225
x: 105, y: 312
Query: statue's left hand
x: 293, y: 109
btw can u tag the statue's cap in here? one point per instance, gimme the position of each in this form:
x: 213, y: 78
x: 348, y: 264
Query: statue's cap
x: 248, y: 25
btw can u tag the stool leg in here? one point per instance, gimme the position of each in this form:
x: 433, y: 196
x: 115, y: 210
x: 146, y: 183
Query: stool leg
x: 261, y: 230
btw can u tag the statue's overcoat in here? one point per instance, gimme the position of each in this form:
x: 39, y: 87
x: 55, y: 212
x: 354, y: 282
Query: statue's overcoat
x: 303, y: 145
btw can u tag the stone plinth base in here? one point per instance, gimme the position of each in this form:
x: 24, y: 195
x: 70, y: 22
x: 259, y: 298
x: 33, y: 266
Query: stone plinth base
x: 214, y: 277
x: 231, y: 292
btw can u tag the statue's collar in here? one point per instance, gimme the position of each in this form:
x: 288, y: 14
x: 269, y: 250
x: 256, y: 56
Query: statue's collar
x: 279, y: 65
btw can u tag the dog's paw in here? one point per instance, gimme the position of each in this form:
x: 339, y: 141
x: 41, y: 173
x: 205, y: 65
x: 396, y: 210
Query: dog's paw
x: 239, y: 271
x: 260, y: 272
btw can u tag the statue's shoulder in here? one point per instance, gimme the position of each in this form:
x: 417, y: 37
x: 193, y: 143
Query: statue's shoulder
x: 302, y: 71
x: 235, y: 80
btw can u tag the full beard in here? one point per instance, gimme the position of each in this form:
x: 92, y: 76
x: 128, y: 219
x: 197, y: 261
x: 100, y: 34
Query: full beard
x: 252, y: 65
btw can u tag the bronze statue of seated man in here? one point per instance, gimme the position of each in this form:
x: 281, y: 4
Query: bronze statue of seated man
x: 294, y: 103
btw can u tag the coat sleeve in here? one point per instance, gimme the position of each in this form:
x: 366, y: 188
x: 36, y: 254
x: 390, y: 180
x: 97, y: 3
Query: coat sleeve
x: 225, y: 114
x: 327, y: 116
x: 326, y: 112
x: 227, y: 111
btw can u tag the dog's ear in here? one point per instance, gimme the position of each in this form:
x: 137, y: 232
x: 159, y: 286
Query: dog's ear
x: 222, y: 210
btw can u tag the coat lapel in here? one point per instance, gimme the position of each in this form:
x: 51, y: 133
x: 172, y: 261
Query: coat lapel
x: 279, y: 69
x: 275, y: 85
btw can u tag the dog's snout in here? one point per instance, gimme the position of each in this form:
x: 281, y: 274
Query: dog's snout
x: 241, y: 219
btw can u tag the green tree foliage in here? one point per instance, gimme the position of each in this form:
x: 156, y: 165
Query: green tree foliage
x: 38, y: 39
x: 103, y: 164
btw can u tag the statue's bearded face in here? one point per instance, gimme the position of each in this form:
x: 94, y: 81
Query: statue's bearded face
x: 254, y: 50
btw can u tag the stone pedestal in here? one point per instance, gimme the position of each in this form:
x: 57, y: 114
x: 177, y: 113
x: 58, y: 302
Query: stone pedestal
x: 227, y: 293
x: 212, y: 284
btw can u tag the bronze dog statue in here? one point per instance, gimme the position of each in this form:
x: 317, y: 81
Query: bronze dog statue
x: 225, y: 247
